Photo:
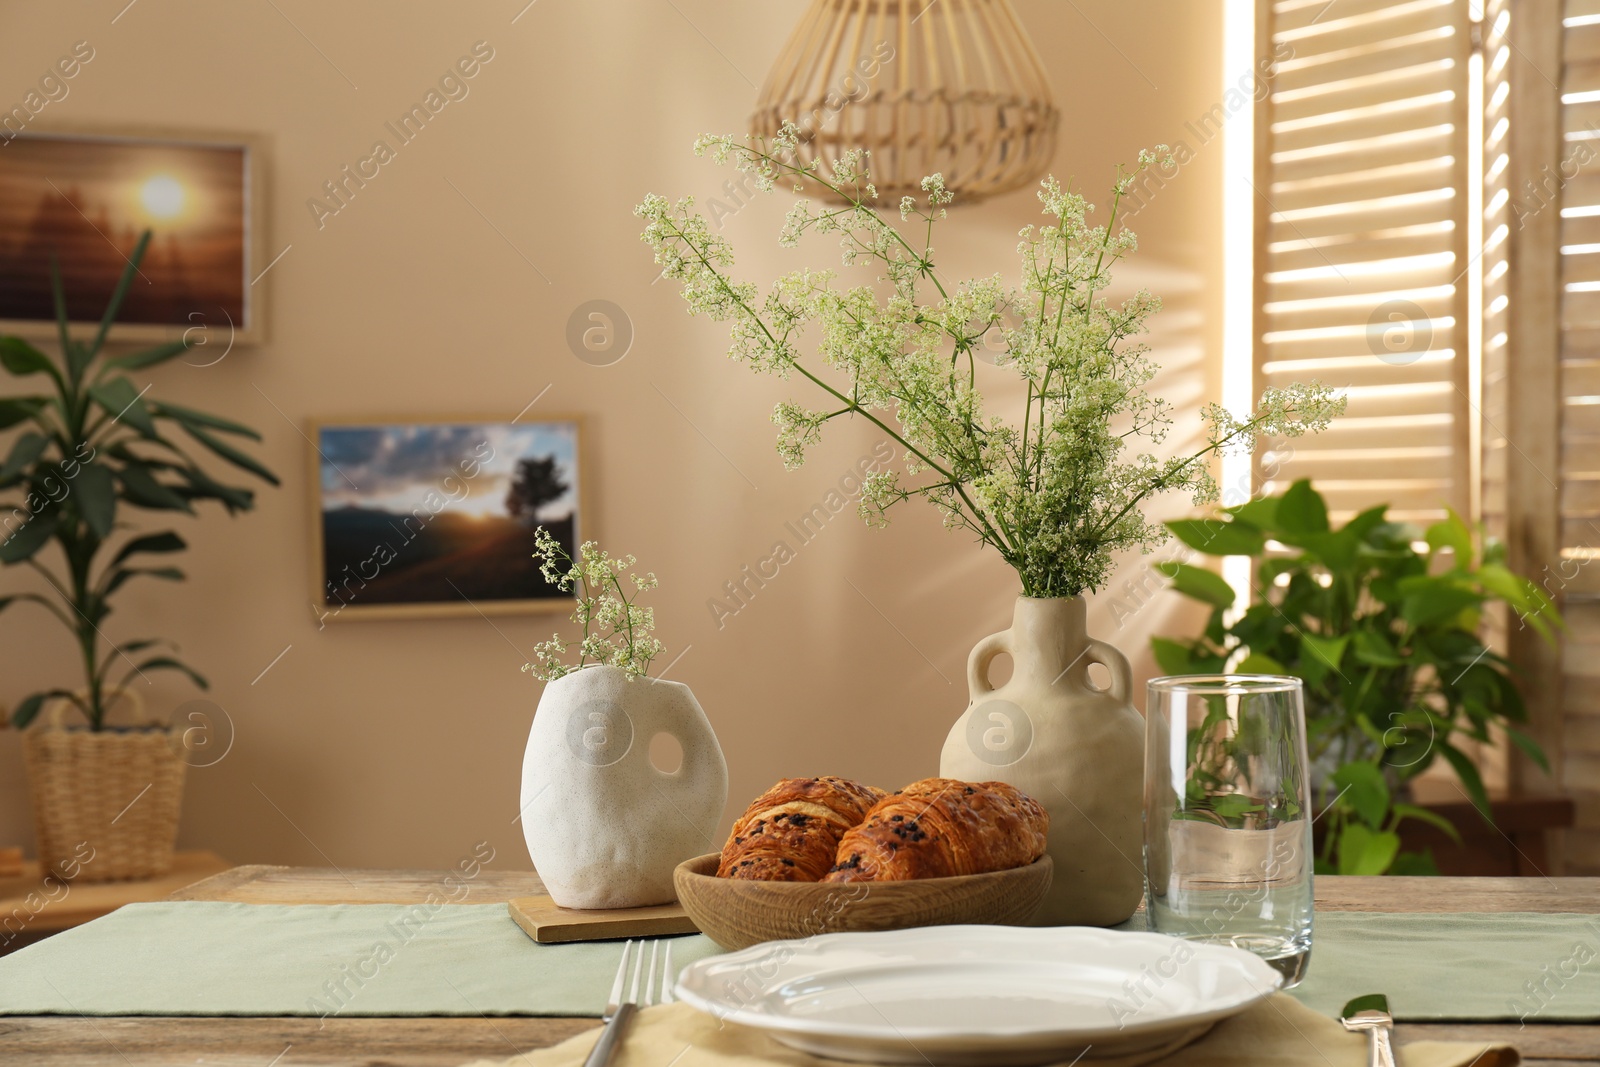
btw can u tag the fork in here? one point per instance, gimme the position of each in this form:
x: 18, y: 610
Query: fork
x: 618, y: 1010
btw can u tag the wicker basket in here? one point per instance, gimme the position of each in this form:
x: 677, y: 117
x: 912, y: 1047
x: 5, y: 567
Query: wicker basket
x: 105, y: 804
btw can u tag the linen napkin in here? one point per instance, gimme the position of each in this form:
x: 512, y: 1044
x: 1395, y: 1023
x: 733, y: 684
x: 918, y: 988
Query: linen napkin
x: 1279, y: 1031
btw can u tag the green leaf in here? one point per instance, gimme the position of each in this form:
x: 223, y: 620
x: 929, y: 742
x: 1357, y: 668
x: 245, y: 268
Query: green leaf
x: 15, y: 409
x: 1235, y: 805
x: 167, y: 663
x: 97, y: 498
x: 158, y: 542
x: 1471, y: 780
x: 1453, y: 534
x: 24, y: 454
x: 140, y: 487
x: 1429, y: 601
x: 1415, y: 865
x: 1362, y: 786
x: 1301, y: 510
x: 115, y: 303
x: 21, y: 358
x: 1366, y: 851
x: 200, y: 418
x: 122, y: 575
x: 1259, y: 663
x: 1321, y: 655
x: 1217, y: 538
x: 1432, y: 818
x: 1374, y: 650
x: 1529, y: 747
x: 1172, y: 657
x: 123, y: 403
x: 203, y: 487
x: 231, y: 454
x: 1262, y: 512
x: 149, y: 357
x: 1199, y: 583
x: 25, y: 712
x: 29, y: 538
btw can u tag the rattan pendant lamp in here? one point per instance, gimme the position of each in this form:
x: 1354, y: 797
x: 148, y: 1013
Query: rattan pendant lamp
x: 926, y: 86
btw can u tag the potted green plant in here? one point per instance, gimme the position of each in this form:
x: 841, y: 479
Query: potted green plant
x: 1382, y: 622
x: 1056, y: 485
x: 86, y: 450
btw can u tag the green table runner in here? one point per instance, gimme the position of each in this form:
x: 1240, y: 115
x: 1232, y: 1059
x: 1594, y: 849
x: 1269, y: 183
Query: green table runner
x: 197, y: 958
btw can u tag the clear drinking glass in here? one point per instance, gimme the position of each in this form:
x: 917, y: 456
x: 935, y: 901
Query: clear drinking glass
x: 1227, y: 817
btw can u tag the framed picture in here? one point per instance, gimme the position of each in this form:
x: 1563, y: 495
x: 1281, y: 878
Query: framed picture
x: 86, y: 197
x: 435, y: 518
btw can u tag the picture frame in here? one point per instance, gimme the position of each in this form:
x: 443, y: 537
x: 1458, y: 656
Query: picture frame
x: 382, y: 547
x: 95, y: 188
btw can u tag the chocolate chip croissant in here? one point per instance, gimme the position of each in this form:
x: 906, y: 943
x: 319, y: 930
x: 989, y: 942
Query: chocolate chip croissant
x: 940, y: 827
x: 791, y: 832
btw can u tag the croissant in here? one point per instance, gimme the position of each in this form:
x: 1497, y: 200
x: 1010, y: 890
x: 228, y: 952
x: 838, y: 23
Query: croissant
x: 939, y: 827
x: 791, y: 832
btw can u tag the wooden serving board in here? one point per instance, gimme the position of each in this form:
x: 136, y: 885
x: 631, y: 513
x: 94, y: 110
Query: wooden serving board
x: 548, y: 923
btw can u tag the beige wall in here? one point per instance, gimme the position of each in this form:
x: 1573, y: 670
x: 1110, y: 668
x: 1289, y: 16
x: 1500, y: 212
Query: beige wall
x: 399, y: 743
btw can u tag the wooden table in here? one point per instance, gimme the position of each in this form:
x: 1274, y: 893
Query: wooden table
x: 31, y: 909
x: 346, y: 1042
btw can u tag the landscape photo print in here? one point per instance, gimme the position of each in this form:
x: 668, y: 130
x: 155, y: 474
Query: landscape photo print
x: 439, y: 518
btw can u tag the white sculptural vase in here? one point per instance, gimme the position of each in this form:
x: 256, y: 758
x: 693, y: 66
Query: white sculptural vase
x: 604, y: 826
x: 1074, y: 748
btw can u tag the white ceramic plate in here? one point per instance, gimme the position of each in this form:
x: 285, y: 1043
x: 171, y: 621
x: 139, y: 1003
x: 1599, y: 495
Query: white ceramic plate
x: 984, y: 996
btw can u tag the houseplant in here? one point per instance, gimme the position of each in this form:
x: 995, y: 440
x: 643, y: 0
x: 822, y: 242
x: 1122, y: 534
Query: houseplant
x: 87, y: 449
x: 1385, y: 636
x: 613, y: 826
x: 1056, y: 492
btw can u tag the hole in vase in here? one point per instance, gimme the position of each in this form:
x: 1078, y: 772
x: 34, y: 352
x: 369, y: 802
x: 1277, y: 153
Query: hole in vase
x: 1099, y: 677
x: 666, y: 753
x: 1000, y: 669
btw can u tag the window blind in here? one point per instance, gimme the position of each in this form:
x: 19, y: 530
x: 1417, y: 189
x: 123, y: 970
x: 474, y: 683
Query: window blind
x: 1575, y: 575
x: 1361, y: 246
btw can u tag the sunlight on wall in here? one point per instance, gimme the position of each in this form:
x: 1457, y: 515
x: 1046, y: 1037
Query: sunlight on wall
x: 1238, y: 263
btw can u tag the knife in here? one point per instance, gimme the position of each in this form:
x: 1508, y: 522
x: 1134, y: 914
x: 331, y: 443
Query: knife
x: 1371, y: 1013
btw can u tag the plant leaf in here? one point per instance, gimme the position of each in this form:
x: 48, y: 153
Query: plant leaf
x: 120, y: 576
x: 168, y: 663
x: 1362, y: 786
x: 115, y: 303
x: 1301, y: 510
x: 97, y: 498
x: 124, y: 404
x: 229, y: 453
x: 24, y: 453
x: 140, y: 487
x: 1366, y: 851
x: 1260, y: 663
x: 149, y: 357
x: 1217, y: 538
x: 1470, y: 779
x: 29, y: 538
x: 1199, y: 583
x: 1453, y: 534
x: 1429, y: 601
x: 157, y: 542
x: 1321, y: 655
x: 1432, y: 818
x: 200, y: 418
x: 1529, y: 746
x: 21, y: 358
x: 1262, y: 512
x: 15, y: 409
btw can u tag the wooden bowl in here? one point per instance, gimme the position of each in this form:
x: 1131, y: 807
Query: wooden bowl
x: 737, y: 914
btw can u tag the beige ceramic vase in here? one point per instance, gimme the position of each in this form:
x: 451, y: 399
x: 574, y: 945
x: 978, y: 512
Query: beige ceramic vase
x: 1075, y: 749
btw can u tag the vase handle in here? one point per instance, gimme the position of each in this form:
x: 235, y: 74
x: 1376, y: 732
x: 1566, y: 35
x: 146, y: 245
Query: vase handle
x: 983, y: 654
x: 1115, y: 662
